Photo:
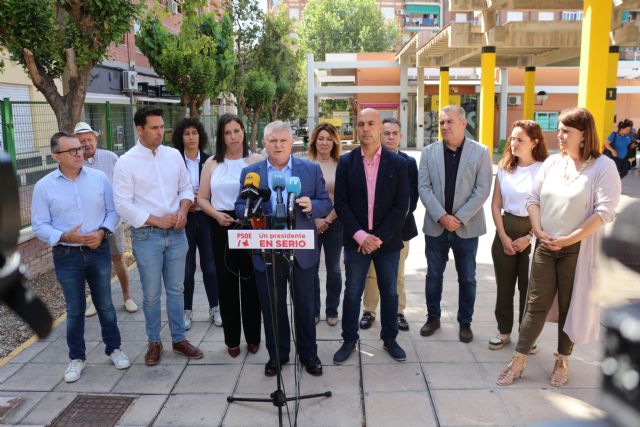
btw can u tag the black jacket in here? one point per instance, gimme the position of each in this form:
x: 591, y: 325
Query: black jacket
x: 392, y: 198
x: 409, y: 229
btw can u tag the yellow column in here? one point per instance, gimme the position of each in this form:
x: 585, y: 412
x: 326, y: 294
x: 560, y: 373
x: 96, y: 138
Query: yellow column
x: 596, y: 23
x: 443, y: 92
x: 487, y: 96
x: 612, y: 83
x: 529, y: 92
x: 420, y: 109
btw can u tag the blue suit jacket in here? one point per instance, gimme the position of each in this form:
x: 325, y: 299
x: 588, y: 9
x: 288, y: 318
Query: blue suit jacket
x: 392, y: 198
x: 313, y: 186
x: 409, y: 229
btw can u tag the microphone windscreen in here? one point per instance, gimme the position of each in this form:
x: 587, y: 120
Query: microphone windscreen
x: 265, y: 193
x: 277, y: 179
x: 253, y: 179
x: 294, y: 186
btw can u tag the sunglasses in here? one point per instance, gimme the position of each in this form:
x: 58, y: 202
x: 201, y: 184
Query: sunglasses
x: 72, y: 151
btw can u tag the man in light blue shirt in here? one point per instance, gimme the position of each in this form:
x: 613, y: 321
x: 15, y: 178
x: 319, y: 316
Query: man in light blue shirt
x: 73, y: 211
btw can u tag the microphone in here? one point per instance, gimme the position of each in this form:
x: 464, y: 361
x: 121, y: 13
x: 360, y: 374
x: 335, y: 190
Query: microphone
x: 293, y: 190
x: 264, y: 195
x: 250, y: 190
x: 278, y: 184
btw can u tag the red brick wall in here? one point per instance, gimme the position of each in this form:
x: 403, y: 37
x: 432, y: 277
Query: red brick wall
x: 36, y: 257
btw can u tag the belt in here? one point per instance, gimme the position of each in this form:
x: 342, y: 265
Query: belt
x: 81, y: 248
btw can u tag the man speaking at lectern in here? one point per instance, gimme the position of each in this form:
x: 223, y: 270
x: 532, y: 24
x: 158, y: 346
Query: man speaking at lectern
x: 312, y: 202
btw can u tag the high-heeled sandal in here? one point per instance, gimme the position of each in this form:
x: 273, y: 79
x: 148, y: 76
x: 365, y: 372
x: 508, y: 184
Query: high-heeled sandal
x: 560, y: 374
x: 510, y: 374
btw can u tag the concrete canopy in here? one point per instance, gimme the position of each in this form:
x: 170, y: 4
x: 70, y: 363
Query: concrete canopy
x: 518, y: 44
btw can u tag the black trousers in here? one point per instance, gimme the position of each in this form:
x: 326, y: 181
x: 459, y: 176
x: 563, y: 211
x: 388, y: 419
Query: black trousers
x: 239, y: 303
x: 303, y: 304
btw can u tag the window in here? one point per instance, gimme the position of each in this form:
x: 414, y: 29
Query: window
x: 572, y: 16
x: 548, y: 121
x: 461, y: 17
x: 545, y: 16
x: 294, y: 14
x: 514, y: 16
x: 389, y: 13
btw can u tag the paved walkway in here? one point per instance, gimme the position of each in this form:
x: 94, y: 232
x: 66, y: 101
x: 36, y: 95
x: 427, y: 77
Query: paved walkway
x: 443, y: 382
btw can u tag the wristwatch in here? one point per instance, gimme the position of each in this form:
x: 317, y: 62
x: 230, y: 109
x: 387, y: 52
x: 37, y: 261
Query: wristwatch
x: 107, y: 232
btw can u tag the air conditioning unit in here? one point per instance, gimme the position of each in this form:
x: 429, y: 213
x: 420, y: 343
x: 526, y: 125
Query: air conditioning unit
x: 172, y: 6
x: 399, y: 12
x: 129, y: 81
x: 514, y: 100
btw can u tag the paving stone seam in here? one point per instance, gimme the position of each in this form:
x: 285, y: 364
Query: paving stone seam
x: 361, y: 387
x: 424, y: 377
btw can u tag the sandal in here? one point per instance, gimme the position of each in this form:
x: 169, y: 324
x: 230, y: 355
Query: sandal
x: 511, y: 372
x: 499, y: 341
x: 560, y: 374
x: 534, y: 349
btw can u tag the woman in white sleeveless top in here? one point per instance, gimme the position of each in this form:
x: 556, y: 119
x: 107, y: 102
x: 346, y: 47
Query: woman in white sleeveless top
x: 239, y: 304
x: 511, y: 247
x: 574, y: 194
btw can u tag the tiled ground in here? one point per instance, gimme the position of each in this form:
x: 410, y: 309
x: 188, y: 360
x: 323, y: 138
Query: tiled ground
x: 443, y: 382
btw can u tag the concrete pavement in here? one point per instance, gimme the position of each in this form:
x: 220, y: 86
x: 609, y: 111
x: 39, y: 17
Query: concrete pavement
x: 443, y: 382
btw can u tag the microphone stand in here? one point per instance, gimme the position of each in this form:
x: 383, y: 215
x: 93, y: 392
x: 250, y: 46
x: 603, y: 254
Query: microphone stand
x: 279, y: 397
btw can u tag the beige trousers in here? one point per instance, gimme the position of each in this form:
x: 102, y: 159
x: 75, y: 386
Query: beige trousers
x: 371, y: 296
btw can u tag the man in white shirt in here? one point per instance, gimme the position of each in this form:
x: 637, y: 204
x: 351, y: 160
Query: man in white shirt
x: 153, y: 194
x: 105, y: 161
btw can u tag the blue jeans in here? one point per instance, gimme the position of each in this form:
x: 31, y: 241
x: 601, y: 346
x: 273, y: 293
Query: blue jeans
x: 356, y: 269
x: 464, y: 254
x: 331, y: 240
x: 73, y: 268
x: 161, y: 256
x: 198, y: 232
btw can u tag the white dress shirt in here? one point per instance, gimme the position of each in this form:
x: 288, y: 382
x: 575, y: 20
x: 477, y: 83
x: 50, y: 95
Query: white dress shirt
x: 193, y: 168
x: 146, y: 184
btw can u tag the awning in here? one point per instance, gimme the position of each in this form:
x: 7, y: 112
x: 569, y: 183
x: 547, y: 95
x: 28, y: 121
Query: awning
x: 422, y: 9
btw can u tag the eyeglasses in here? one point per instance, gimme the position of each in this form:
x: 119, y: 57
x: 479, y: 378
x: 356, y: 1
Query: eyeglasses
x: 72, y: 151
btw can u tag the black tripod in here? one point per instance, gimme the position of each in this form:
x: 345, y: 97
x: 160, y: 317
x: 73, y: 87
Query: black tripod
x: 278, y: 398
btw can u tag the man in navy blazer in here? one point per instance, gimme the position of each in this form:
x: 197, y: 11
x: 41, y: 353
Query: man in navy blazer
x: 313, y: 202
x: 391, y: 137
x: 371, y: 198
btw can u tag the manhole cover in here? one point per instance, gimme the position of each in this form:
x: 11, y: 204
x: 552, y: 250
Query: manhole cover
x: 100, y: 411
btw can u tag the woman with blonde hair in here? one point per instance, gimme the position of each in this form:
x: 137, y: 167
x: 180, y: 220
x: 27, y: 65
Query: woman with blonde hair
x: 574, y: 194
x: 510, y: 251
x: 324, y: 149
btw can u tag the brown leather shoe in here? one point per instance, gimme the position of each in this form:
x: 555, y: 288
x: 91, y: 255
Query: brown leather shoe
x: 430, y: 327
x: 154, y: 350
x: 253, y: 348
x: 184, y: 347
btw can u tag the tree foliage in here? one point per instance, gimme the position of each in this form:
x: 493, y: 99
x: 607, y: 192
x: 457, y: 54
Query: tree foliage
x: 198, y: 62
x: 335, y: 26
x: 55, y: 39
x: 268, y: 67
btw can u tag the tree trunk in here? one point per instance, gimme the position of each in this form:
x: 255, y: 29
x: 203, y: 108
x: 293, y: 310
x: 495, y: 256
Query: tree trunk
x: 255, y: 118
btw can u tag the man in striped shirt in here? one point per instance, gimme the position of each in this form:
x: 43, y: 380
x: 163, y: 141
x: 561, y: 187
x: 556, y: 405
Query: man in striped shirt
x: 105, y: 161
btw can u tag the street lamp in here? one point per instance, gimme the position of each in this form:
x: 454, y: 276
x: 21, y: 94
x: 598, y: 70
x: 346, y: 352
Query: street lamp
x: 404, y: 103
x: 541, y: 96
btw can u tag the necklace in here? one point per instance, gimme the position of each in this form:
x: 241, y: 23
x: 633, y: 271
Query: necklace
x: 568, y: 178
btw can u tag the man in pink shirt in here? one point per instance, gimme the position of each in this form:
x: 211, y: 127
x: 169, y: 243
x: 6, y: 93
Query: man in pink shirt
x: 371, y: 198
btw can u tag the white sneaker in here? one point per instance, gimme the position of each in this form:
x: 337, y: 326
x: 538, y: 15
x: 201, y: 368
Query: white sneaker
x: 188, y: 315
x: 119, y: 359
x: 214, y: 314
x: 74, y: 370
x: 91, y: 310
x: 130, y: 306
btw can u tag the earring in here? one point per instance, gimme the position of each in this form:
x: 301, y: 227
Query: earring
x: 582, y: 145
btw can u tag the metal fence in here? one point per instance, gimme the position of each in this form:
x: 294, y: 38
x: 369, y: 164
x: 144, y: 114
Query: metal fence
x: 26, y: 128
